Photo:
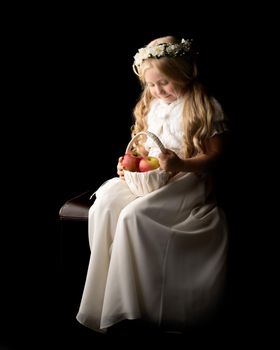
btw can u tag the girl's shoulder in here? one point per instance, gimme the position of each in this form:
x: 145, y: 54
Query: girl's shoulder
x: 220, y: 122
x: 217, y: 105
x: 155, y: 103
x: 155, y: 107
x: 219, y: 114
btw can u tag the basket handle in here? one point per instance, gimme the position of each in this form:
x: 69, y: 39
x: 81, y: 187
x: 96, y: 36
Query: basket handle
x: 149, y: 134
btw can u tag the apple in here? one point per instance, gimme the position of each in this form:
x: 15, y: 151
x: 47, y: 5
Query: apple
x: 131, y: 162
x: 148, y: 163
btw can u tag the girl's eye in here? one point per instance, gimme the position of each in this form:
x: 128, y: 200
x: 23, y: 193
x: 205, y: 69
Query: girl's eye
x: 162, y: 83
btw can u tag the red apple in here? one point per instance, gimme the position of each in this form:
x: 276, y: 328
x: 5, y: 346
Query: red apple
x: 148, y: 163
x: 131, y: 162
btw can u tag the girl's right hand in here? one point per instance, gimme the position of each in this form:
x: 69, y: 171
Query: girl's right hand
x: 120, y: 169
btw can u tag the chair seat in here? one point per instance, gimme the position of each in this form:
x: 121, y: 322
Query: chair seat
x: 77, y: 208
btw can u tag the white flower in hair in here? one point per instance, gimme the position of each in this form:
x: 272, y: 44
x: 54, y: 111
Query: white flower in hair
x: 162, y: 50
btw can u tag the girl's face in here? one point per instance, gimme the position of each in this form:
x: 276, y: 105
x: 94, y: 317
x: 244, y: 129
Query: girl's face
x: 159, y: 86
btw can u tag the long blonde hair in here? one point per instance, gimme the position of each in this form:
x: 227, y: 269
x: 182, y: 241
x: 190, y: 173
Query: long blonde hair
x: 198, y: 106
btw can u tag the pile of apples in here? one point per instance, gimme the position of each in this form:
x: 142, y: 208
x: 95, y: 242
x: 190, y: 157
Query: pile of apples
x: 134, y: 162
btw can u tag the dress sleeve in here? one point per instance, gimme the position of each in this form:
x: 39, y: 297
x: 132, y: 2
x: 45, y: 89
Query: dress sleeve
x: 220, y: 121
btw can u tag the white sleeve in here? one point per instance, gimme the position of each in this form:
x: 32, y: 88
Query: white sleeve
x: 220, y: 121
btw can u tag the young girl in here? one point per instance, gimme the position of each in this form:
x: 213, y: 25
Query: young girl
x: 161, y: 257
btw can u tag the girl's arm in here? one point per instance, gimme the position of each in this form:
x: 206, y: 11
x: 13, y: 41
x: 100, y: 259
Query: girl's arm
x: 169, y: 161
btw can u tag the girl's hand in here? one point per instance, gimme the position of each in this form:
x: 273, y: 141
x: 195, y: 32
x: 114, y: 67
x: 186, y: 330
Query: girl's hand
x: 169, y: 161
x: 120, y: 169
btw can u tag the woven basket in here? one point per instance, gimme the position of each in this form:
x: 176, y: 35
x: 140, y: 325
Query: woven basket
x: 141, y: 183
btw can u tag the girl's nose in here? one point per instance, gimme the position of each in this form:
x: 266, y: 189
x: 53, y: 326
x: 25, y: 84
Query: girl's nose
x: 160, y: 90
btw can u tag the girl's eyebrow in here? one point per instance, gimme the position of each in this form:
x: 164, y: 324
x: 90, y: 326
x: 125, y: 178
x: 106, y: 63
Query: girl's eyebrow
x: 158, y: 81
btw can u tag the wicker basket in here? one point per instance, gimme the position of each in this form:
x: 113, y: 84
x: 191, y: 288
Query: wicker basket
x: 141, y: 183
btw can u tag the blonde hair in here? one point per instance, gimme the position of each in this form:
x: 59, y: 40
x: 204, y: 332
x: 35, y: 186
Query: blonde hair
x: 198, y: 107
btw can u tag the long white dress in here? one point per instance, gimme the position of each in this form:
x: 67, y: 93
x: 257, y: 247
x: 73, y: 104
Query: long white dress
x: 160, y: 257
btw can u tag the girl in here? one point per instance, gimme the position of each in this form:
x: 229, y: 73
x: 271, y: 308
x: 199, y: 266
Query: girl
x: 161, y: 257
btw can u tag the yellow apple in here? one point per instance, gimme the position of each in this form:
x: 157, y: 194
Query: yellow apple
x: 148, y: 163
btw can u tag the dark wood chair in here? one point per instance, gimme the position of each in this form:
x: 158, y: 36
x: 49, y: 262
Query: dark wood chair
x: 76, y: 208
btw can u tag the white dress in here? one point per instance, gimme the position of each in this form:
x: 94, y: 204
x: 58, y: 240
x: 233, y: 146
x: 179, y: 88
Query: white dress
x: 160, y: 257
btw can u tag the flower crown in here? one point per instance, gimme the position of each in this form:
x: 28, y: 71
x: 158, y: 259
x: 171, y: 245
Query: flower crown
x: 162, y: 50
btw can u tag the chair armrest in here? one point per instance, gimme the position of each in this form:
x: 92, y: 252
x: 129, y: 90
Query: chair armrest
x: 77, y: 208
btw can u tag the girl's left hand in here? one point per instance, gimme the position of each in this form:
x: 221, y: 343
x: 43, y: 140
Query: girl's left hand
x: 169, y: 161
x: 120, y: 168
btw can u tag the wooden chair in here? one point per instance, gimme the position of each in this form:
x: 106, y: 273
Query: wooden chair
x: 76, y: 208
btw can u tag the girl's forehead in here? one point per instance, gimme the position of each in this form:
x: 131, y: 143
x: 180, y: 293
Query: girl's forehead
x: 153, y: 74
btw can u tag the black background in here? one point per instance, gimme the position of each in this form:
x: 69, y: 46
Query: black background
x: 70, y: 92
